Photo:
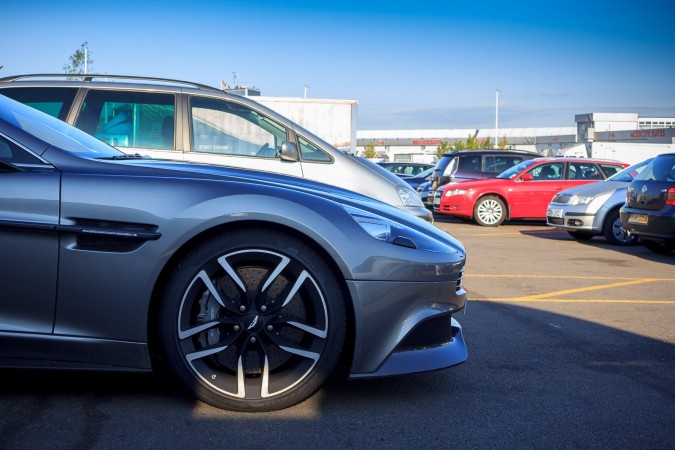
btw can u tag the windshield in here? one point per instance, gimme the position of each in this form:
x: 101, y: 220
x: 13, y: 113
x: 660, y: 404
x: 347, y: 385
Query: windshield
x: 629, y: 173
x: 515, y: 170
x: 661, y: 168
x: 54, y: 132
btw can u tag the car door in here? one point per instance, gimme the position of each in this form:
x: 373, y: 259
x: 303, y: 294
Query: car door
x: 232, y: 134
x: 529, y: 197
x: 29, y: 211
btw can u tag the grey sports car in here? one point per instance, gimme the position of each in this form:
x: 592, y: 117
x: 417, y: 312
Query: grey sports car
x: 250, y: 287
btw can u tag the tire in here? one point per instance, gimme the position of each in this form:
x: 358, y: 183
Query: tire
x: 253, y: 320
x: 581, y: 235
x: 661, y: 247
x: 489, y: 211
x: 614, y: 232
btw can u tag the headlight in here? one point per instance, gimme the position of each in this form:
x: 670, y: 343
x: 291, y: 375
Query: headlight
x: 408, y: 196
x: 387, y: 230
x: 580, y: 199
x: 452, y: 192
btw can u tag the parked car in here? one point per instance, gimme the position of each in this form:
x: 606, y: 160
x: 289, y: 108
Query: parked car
x: 187, y: 121
x: 649, y: 212
x: 418, y: 179
x: 522, y: 192
x: 407, y: 169
x: 249, y: 286
x: 423, y: 191
x: 473, y: 165
x: 593, y: 209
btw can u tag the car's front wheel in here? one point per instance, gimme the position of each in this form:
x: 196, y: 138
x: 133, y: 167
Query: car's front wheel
x: 489, y: 211
x: 252, y: 320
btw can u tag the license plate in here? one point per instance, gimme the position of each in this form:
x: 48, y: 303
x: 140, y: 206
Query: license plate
x: 638, y: 218
x: 437, y: 201
x: 554, y: 213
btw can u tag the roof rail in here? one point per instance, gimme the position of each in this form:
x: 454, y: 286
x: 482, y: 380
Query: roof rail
x: 87, y: 78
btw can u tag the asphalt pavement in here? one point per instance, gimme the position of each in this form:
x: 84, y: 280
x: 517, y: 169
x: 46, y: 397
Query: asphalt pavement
x: 571, y: 345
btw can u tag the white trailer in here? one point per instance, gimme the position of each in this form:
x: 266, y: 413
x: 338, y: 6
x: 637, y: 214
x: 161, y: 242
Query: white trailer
x: 333, y: 120
x: 630, y: 153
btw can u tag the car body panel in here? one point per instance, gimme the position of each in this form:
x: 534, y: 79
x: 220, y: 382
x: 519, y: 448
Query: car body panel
x: 108, y: 232
x: 524, y: 198
x: 456, y: 167
x: 649, y: 211
x: 608, y: 195
x: 334, y: 167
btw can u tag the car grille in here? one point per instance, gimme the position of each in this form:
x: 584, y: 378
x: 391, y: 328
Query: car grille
x: 555, y: 221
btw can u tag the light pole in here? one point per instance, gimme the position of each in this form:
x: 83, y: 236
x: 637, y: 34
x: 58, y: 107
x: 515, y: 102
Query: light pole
x: 496, y: 118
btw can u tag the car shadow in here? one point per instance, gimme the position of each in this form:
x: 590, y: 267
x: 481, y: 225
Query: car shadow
x: 527, y: 369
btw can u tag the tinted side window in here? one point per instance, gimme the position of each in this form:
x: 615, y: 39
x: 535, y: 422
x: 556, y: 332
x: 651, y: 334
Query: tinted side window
x: 610, y: 169
x: 310, y: 152
x: 584, y: 171
x: 228, y: 128
x: 53, y: 101
x: 13, y: 154
x: 129, y: 119
x: 470, y: 163
x: 551, y: 171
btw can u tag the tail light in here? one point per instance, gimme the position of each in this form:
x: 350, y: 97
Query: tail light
x: 670, y: 197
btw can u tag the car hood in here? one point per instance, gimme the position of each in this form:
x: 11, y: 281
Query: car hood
x: 597, y: 188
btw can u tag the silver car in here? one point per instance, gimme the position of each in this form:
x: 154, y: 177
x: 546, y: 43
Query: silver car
x: 593, y: 209
x: 248, y: 286
x: 186, y: 121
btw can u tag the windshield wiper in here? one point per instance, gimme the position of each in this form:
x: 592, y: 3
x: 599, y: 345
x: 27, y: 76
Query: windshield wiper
x: 126, y: 156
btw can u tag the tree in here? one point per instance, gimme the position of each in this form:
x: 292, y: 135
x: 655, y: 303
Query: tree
x: 79, y: 62
x: 369, y: 151
x: 503, y: 142
x: 443, y: 147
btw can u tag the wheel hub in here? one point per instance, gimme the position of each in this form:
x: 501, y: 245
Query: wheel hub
x: 253, y: 323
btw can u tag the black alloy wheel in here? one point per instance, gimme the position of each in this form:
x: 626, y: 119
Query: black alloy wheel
x: 253, y: 320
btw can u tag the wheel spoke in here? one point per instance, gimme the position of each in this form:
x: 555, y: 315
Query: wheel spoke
x: 301, y: 352
x: 231, y: 272
x: 280, y: 267
x: 309, y: 329
x: 301, y: 279
x: 211, y: 288
x: 205, y: 352
x: 183, y: 334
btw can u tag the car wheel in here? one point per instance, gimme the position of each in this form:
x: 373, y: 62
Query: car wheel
x: 663, y: 247
x: 252, y: 320
x: 614, y: 232
x: 489, y: 211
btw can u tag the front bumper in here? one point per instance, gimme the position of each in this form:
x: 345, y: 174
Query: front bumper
x: 407, y: 327
x: 574, y: 218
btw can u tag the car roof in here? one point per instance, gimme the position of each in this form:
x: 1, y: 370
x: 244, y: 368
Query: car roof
x: 490, y: 151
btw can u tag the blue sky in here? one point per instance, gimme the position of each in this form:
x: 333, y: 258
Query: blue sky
x: 410, y: 65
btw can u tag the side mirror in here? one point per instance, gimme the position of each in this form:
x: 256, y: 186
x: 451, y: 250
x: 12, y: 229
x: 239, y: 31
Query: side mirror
x: 289, y: 152
x: 527, y: 177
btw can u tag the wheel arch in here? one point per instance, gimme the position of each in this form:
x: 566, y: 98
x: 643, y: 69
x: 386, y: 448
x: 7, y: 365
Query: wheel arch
x: 186, y: 247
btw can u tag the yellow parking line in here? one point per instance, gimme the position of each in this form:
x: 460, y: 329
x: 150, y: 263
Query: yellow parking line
x: 573, y: 277
x: 562, y: 300
x: 589, y: 288
x: 547, y: 297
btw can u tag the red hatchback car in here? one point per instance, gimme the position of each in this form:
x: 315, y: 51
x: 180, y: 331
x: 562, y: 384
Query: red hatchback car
x: 521, y: 192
